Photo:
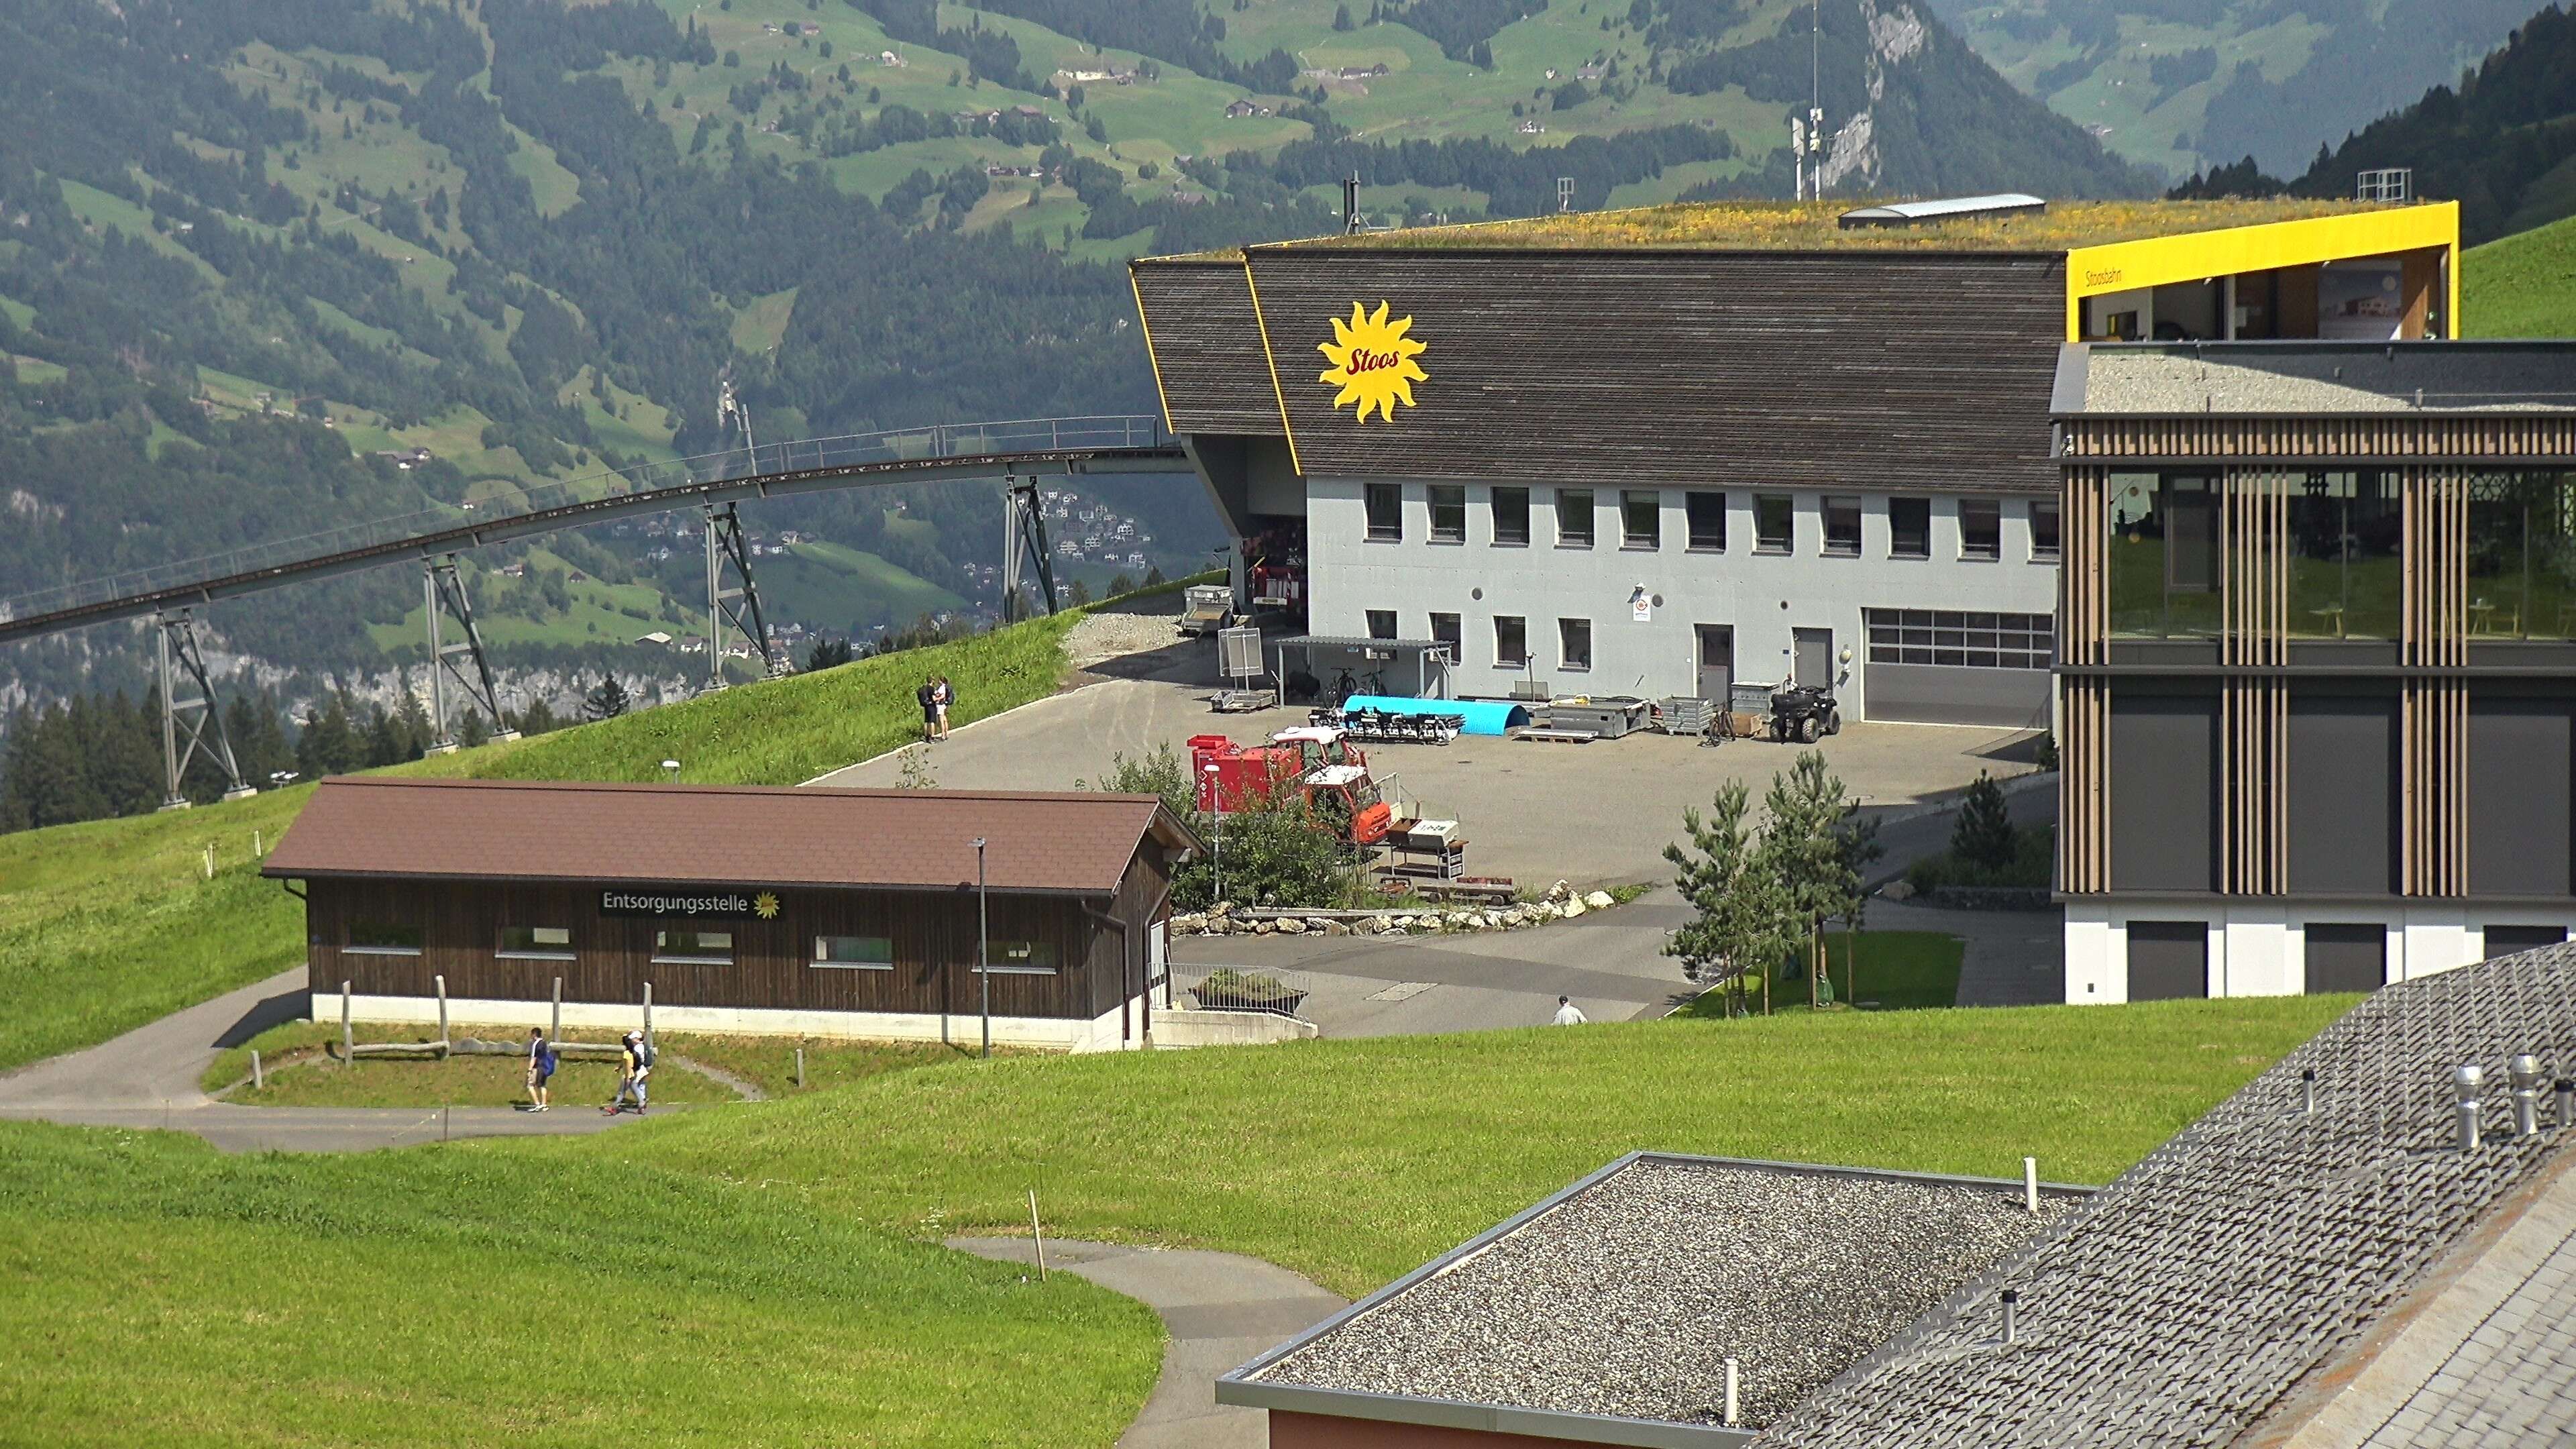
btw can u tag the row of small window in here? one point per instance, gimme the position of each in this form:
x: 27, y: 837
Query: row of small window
x: 1511, y: 638
x: 1949, y: 636
x: 1641, y: 521
x: 692, y: 947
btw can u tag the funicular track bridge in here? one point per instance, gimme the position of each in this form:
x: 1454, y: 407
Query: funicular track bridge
x: 1019, y: 451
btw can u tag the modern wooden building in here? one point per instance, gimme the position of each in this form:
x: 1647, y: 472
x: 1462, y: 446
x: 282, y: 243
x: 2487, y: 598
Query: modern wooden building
x: 2319, y: 666
x: 1662, y: 451
x: 806, y: 911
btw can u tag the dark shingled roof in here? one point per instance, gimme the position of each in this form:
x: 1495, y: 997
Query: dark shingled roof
x: 1076, y: 842
x: 2183, y: 1302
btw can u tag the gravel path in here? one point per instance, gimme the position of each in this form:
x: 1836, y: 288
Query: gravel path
x: 1628, y: 1299
x: 1099, y: 637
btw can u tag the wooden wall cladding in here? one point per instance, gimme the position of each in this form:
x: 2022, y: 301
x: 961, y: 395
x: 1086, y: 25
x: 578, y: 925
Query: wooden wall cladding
x: 1206, y: 346
x: 2535, y: 439
x: 1860, y: 371
x: 933, y: 935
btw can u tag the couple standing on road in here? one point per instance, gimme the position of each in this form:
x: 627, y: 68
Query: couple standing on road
x: 936, y: 695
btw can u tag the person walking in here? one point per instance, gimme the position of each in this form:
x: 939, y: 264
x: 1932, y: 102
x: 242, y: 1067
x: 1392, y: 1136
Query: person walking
x: 541, y: 1068
x: 1569, y: 1014
x: 928, y: 694
x: 632, y: 1065
x: 942, y: 695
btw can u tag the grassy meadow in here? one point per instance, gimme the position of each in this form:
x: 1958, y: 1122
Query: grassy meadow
x: 159, y: 1292
x: 765, y: 1272
x: 2522, y: 285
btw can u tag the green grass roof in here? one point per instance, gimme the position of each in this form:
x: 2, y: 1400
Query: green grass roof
x: 1810, y: 226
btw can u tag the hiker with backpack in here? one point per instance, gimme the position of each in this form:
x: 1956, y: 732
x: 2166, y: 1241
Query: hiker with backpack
x: 636, y: 1060
x: 541, y: 1068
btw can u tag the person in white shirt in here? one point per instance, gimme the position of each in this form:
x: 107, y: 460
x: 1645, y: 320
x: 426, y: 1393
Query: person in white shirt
x: 1569, y: 1014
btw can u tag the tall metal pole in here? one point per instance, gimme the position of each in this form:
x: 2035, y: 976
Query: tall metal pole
x: 715, y: 609
x: 983, y: 946
x: 440, y: 742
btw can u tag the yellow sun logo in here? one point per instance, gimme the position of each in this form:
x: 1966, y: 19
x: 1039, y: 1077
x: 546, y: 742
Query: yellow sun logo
x: 765, y: 906
x: 1372, y: 362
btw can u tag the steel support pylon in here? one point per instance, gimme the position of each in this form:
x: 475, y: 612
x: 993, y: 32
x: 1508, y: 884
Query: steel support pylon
x: 1024, y: 545
x: 443, y: 591
x: 184, y: 740
x: 737, y: 605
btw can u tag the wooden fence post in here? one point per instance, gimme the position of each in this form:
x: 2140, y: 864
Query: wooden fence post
x: 557, y: 1033
x: 257, y: 1081
x: 441, y: 982
x: 348, y: 1041
x: 648, y: 1016
x: 800, y: 1068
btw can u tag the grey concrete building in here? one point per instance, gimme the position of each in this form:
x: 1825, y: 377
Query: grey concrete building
x: 1659, y: 452
x: 2319, y: 662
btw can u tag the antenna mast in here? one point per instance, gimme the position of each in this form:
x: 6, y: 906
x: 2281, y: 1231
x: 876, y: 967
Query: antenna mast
x: 1816, y: 92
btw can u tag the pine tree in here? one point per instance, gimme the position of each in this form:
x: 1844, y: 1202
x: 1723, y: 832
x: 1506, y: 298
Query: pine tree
x: 1984, y: 836
x: 1741, y: 919
x: 608, y: 701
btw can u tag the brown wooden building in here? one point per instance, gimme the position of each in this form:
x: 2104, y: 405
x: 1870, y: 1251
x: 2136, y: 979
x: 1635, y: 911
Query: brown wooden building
x: 743, y: 909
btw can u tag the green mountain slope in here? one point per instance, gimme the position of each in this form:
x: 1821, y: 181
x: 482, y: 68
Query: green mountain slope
x: 2180, y: 84
x: 529, y: 238
x: 2523, y: 285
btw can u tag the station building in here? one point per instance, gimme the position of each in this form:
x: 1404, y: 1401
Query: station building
x: 739, y: 909
x: 2319, y: 675
x: 1661, y: 451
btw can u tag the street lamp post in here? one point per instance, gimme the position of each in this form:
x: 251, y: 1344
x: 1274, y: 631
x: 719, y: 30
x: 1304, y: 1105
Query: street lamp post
x: 983, y: 946
x: 1216, y: 808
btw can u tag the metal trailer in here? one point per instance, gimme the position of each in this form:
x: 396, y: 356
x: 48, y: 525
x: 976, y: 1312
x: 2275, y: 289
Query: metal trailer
x: 1607, y: 716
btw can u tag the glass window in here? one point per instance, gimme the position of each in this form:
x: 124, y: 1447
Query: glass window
x: 1022, y: 958
x: 1641, y: 518
x: 1448, y: 513
x: 1511, y: 516
x: 1445, y: 630
x: 1386, y: 511
x: 1775, y: 516
x: 1574, y: 517
x: 1842, y: 527
x: 383, y: 938
x: 1909, y: 528
x: 553, y: 943
x: 2522, y: 557
x: 2043, y: 530
x: 694, y: 947
x: 1574, y: 643
x: 1981, y: 528
x: 1950, y: 636
x: 1511, y: 641
x: 1707, y: 515
x: 2346, y: 564
x: 2163, y: 555
x: 1381, y: 623
x: 858, y: 953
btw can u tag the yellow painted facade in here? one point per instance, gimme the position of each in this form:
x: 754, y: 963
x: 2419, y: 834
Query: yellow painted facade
x: 2201, y: 256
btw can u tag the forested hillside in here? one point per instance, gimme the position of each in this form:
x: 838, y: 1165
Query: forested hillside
x: 2502, y: 142
x: 269, y: 267
x: 2184, y: 84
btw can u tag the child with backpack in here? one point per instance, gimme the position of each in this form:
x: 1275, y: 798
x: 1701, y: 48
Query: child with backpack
x: 636, y: 1060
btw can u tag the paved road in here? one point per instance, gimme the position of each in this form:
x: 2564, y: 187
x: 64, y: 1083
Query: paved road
x: 1221, y: 1309
x: 148, y: 1078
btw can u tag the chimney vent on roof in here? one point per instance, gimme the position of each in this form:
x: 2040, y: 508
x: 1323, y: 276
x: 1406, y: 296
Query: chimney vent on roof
x: 2524, y: 1072
x: 2465, y: 1082
x: 2012, y: 1315
x: 2308, y: 1091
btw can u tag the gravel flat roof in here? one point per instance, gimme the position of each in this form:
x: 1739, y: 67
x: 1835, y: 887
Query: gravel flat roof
x: 2326, y: 377
x: 1626, y: 1298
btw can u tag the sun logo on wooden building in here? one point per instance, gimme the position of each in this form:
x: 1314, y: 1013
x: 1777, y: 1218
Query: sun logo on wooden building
x: 1373, y: 362
x: 765, y: 905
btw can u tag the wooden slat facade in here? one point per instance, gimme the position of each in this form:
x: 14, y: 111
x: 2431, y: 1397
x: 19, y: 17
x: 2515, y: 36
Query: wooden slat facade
x: 1906, y: 371
x: 1206, y: 346
x: 933, y: 935
x: 2434, y: 460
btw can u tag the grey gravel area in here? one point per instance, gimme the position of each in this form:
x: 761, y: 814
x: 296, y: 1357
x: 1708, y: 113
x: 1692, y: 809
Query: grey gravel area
x: 1096, y: 638
x: 2454, y: 377
x: 1627, y: 1299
